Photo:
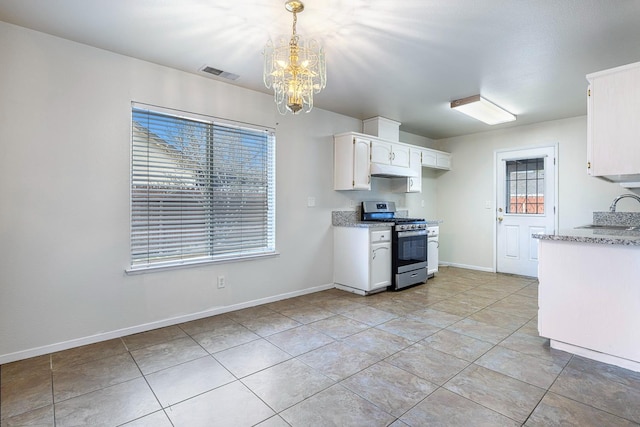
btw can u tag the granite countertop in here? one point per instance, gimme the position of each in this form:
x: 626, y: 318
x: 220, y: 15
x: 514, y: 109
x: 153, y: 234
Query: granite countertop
x: 364, y: 224
x: 352, y: 219
x: 599, y: 236
x: 604, y: 236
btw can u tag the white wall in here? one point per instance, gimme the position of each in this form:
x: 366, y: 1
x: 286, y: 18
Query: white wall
x: 466, y: 235
x: 64, y: 195
x: 65, y: 112
x: 423, y: 205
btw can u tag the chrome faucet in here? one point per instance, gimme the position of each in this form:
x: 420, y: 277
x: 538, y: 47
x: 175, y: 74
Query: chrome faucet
x: 612, y: 208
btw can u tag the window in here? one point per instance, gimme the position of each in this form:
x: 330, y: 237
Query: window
x: 525, y: 186
x: 202, y: 189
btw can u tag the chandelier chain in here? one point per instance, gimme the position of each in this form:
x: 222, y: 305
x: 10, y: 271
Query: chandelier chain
x: 294, y: 34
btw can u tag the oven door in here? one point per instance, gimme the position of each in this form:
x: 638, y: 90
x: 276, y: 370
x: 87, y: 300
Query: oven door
x: 410, y: 250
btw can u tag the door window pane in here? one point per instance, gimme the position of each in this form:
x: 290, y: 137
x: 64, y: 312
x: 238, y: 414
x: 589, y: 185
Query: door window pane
x: 525, y: 186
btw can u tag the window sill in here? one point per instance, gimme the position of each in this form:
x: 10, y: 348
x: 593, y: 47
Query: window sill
x: 196, y: 263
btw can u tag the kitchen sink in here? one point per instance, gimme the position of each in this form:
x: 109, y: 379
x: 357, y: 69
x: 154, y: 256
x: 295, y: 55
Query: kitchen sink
x: 611, y: 227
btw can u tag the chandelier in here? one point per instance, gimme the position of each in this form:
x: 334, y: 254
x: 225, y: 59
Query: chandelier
x: 295, y: 68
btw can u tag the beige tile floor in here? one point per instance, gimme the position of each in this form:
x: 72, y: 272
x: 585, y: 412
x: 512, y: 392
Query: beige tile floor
x: 461, y: 350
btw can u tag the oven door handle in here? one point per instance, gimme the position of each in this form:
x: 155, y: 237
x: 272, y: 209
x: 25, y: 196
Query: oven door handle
x: 412, y: 233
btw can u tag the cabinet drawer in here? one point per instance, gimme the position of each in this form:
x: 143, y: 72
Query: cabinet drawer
x: 380, y: 236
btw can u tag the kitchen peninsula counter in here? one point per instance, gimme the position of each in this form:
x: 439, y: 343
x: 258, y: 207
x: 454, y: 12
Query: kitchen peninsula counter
x: 597, y: 236
x: 589, y: 294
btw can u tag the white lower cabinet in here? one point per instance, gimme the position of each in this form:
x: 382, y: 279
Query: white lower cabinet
x: 362, y: 259
x: 589, y: 300
x: 433, y: 250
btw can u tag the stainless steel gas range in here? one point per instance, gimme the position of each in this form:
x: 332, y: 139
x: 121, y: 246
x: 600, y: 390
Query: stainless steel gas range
x: 408, y: 243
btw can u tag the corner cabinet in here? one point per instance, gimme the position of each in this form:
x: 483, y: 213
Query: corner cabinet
x: 362, y: 259
x: 613, y: 127
x: 414, y: 184
x: 352, y: 156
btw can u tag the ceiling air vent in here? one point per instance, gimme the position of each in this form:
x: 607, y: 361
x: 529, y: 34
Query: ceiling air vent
x: 219, y: 73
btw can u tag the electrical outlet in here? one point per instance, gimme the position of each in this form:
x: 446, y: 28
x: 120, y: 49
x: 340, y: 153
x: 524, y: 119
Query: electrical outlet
x: 221, y: 282
x: 311, y: 202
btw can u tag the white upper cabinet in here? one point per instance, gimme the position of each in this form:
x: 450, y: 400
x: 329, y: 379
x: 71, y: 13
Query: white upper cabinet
x: 613, y: 123
x: 354, y: 154
x: 443, y: 160
x: 351, y: 169
x: 414, y: 184
x: 381, y: 152
x: 429, y: 158
x: 390, y: 154
x: 400, y: 155
x: 436, y: 159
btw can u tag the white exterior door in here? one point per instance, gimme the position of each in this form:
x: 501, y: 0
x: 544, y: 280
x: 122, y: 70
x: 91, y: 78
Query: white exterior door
x: 525, y: 205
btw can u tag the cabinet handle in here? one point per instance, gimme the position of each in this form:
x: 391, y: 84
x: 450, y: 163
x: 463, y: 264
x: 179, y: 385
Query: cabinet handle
x: 588, y: 165
x: 376, y: 250
x: 393, y: 156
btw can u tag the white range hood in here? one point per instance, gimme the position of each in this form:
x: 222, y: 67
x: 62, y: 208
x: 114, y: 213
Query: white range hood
x: 391, y: 171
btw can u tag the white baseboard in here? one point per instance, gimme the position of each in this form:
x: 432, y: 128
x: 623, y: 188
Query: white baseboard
x: 595, y: 355
x: 468, y: 267
x: 92, y: 339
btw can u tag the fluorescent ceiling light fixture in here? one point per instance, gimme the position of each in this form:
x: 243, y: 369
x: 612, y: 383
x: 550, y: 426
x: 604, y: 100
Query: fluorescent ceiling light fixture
x: 480, y: 109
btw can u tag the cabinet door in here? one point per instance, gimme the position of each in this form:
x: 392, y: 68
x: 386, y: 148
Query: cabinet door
x: 400, y: 155
x: 432, y: 255
x: 380, y: 152
x: 613, y: 122
x: 429, y: 158
x: 443, y: 160
x: 361, y: 169
x: 414, y: 184
x: 380, y: 265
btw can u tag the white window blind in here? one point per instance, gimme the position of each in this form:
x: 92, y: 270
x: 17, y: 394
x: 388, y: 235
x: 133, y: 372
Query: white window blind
x: 201, y: 189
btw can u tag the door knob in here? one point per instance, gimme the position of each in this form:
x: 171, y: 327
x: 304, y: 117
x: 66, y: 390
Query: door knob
x: 500, y: 219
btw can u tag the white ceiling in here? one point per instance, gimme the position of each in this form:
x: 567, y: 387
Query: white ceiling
x: 404, y: 60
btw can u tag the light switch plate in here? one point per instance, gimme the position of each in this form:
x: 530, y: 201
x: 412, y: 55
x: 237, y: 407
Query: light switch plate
x: 311, y: 202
